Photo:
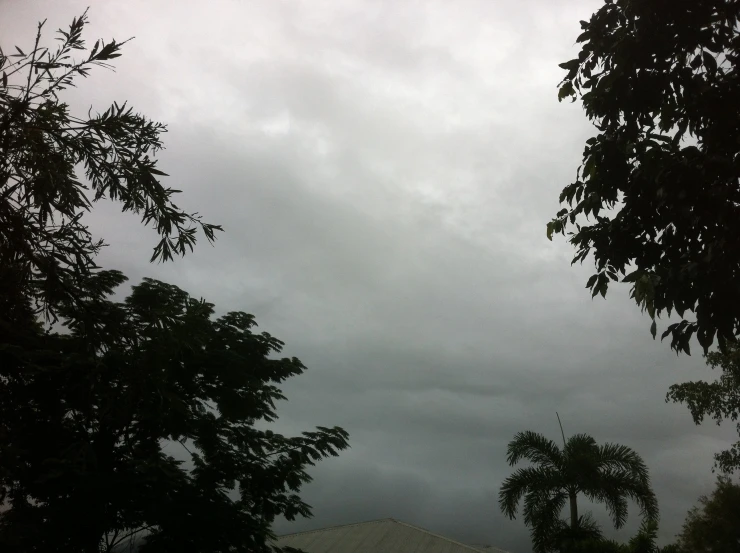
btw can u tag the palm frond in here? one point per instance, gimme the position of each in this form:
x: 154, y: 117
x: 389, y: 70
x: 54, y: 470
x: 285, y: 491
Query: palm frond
x: 563, y: 538
x: 616, y: 456
x: 587, y: 529
x: 544, y: 536
x: 539, y: 481
x: 615, y: 502
x: 644, y: 541
x: 543, y: 508
x: 581, y: 445
x: 541, y: 513
x: 636, y: 487
x: 614, y: 486
x: 647, y: 502
x: 535, y: 448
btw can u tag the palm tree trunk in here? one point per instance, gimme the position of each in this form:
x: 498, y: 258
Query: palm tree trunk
x: 573, y: 511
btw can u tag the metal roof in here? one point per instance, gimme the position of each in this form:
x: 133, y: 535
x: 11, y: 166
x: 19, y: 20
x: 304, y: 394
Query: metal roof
x: 377, y: 536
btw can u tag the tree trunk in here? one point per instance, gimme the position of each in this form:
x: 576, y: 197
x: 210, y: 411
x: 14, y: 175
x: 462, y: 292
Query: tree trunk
x: 573, y: 511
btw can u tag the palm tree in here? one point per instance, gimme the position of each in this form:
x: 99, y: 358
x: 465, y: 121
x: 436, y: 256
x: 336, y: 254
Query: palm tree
x: 609, y: 474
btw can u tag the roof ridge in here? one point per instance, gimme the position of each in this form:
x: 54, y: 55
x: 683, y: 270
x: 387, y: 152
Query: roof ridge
x: 465, y: 545
x: 390, y: 519
x: 485, y: 547
x: 338, y: 526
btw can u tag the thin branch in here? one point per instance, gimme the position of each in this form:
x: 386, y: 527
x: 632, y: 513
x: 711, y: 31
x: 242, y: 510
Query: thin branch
x: 110, y: 540
x: 281, y: 451
x: 131, y: 534
x: 33, y: 58
x: 21, y: 63
x: 186, y: 447
x: 561, y: 427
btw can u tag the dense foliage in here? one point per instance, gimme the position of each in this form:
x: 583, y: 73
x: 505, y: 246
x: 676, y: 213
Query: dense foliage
x: 54, y: 165
x: 146, y: 417
x: 643, y: 542
x: 609, y: 474
x: 719, y: 400
x: 657, y: 198
x: 89, y: 419
x: 714, y: 525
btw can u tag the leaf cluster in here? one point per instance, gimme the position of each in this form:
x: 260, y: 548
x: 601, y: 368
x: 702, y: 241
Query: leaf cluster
x: 657, y: 197
x: 54, y: 165
x: 714, y: 524
x: 718, y: 400
x: 91, y: 419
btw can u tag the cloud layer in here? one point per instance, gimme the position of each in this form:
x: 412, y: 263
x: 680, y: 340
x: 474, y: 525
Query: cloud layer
x: 384, y: 172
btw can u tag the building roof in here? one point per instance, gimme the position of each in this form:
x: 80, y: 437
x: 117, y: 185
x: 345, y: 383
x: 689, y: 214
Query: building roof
x: 377, y: 536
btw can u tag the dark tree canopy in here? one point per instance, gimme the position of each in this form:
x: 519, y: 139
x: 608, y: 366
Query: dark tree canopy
x: 90, y: 418
x: 713, y: 526
x: 718, y: 400
x: 657, y: 199
x: 54, y: 165
x: 609, y: 474
x: 642, y: 542
x: 149, y: 416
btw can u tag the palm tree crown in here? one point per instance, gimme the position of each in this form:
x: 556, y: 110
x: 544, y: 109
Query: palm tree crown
x: 609, y: 474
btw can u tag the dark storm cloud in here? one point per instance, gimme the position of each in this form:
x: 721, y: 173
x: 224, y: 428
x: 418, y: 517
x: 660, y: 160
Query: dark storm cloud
x: 384, y: 172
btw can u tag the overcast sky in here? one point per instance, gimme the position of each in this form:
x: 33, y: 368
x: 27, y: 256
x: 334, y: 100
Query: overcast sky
x: 384, y: 172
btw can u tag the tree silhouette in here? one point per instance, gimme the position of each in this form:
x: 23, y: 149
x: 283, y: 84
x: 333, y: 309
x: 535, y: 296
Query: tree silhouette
x: 89, y: 419
x: 656, y: 200
x: 55, y: 165
x: 609, y: 474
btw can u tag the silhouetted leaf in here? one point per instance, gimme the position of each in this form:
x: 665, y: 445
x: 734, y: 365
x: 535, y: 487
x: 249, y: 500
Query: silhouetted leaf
x: 570, y: 65
x: 709, y: 61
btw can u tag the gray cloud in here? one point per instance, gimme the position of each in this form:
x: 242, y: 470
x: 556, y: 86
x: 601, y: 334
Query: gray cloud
x: 384, y: 172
